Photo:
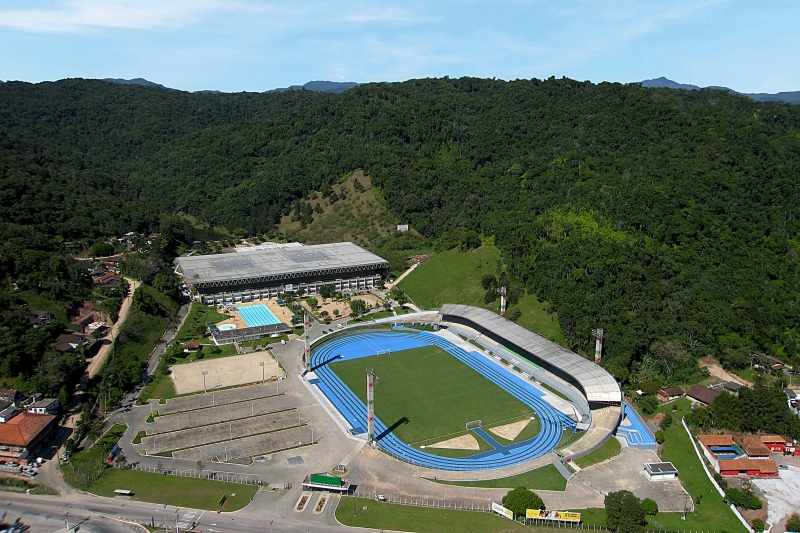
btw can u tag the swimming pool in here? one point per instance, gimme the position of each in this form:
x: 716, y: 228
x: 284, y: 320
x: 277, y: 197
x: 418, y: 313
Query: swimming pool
x: 257, y: 315
x: 226, y: 327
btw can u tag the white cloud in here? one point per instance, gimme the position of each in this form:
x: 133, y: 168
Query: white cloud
x: 80, y: 15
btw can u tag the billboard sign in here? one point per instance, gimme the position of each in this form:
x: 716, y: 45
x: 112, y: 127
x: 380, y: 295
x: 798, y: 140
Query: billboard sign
x: 556, y: 516
x: 502, y: 511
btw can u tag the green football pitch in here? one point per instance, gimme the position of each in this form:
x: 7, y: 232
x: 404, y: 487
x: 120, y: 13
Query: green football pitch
x: 427, y: 395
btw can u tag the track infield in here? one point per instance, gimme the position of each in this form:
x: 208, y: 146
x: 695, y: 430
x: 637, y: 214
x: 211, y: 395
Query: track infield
x: 429, y: 394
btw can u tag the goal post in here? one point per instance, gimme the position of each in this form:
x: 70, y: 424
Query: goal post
x: 474, y: 424
x: 381, y: 352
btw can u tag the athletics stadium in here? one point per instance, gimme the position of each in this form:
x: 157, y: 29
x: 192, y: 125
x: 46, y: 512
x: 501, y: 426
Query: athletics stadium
x: 464, y: 389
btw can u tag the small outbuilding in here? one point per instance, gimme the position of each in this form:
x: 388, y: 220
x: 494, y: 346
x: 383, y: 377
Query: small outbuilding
x: 775, y: 443
x: 670, y: 393
x: 660, y: 471
x: 754, y: 447
x: 748, y: 467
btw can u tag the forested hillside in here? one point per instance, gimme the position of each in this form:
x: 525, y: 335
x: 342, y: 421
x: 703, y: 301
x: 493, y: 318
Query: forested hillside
x: 665, y: 217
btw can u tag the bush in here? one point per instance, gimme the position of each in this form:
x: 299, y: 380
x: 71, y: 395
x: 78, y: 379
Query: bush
x: 649, y: 404
x: 521, y: 499
x: 666, y: 422
x: 660, y: 436
x: 752, y: 501
x: 650, y: 507
x: 758, y: 525
x: 793, y: 524
x: 735, y: 497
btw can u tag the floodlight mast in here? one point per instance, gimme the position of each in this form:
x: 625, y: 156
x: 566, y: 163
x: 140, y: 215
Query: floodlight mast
x: 503, y: 292
x: 598, y: 344
x: 307, y: 347
x: 372, y: 379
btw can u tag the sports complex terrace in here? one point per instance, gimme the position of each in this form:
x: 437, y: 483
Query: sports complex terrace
x: 263, y: 274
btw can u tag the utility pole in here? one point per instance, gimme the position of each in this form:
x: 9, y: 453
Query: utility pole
x: 205, y: 373
x: 372, y: 379
x: 261, y: 364
x: 307, y: 347
x: 66, y: 517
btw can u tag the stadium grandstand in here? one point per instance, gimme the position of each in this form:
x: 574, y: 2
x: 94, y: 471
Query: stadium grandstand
x: 266, y: 273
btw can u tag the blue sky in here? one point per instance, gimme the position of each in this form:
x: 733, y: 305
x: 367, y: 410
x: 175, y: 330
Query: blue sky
x: 235, y: 45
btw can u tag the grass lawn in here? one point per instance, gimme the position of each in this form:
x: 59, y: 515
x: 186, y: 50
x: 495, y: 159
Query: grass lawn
x: 711, y: 513
x: 161, y: 387
x: 451, y: 277
x: 84, y: 466
x: 38, y: 302
x: 380, y: 515
x: 610, y: 448
x: 198, y: 316
x: 430, y: 394
x: 226, y: 350
x: 455, y: 277
x: 544, y: 478
x: 535, y: 316
x: 174, y: 490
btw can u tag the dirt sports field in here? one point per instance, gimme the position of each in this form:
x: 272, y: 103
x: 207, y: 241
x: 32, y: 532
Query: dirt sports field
x: 224, y: 372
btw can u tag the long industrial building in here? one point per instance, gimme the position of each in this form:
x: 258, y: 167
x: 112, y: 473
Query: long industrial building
x: 264, y: 274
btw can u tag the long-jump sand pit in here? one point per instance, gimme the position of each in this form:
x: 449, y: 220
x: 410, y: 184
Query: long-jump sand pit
x: 464, y: 442
x: 224, y: 372
x: 510, y: 431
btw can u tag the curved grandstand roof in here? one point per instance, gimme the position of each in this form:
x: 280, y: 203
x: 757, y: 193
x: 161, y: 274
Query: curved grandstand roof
x: 597, y: 384
x: 277, y: 264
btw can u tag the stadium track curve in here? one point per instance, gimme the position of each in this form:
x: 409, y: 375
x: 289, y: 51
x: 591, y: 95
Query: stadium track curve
x: 354, y: 410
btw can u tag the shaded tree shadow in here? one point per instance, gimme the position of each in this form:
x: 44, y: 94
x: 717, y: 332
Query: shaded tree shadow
x: 326, y: 361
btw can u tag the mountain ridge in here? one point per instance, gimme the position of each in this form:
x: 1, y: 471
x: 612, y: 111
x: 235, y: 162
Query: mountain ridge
x: 323, y: 86
x: 792, y: 97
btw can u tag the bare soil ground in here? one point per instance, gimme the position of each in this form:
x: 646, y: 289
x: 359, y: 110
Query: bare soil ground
x: 224, y: 372
x: 96, y: 362
x: 716, y: 370
x: 464, y: 442
x: 510, y: 431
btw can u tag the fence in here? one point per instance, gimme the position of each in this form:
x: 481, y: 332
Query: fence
x: 212, y: 475
x: 425, y: 502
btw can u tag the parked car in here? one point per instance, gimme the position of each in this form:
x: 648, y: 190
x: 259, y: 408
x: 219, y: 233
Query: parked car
x: 783, y: 467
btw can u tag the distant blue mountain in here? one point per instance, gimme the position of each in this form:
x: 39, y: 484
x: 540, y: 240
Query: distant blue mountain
x: 790, y: 97
x: 335, y: 87
x: 137, y: 81
x: 321, y: 86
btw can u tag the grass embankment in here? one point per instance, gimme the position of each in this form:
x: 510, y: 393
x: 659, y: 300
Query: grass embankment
x: 380, y: 515
x: 711, y: 513
x: 355, y: 216
x: 427, y: 395
x: 544, y: 478
x: 194, y: 326
x: 610, y: 448
x: 161, y: 387
x: 455, y: 277
x: 86, y: 466
x: 174, y: 490
x: 13, y: 484
x: 39, y: 302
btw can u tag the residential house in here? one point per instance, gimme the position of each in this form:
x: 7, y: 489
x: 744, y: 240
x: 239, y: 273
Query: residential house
x: 47, y: 406
x: 110, y: 279
x: 39, y: 319
x: 702, y: 395
x: 670, y: 393
x: 69, y: 342
x: 24, y: 435
x: 191, y: 346
x: 11, y: 396
x: 732, y: 387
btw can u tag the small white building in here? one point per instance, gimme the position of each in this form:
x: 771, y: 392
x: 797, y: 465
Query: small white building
x: 660, y: 471
x: 47, y: 406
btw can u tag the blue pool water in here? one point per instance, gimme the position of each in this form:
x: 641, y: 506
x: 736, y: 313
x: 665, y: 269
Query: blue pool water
x: 257, y: 315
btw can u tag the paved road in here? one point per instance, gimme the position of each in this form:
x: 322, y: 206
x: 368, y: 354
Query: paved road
x: 107, y: 515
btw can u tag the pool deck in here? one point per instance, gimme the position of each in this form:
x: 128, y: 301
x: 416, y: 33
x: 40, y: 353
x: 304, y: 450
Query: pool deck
x: 282, y: 313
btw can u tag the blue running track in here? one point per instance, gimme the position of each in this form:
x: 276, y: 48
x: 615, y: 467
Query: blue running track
x: 355, y: 412
x: 635, y: 430
x: 257, y: 315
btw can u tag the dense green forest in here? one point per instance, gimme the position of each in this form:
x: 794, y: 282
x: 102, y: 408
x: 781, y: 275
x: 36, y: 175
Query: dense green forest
x: 665, y: 217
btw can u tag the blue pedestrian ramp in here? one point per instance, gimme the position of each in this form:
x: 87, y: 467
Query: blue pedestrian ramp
x: 490, y: 441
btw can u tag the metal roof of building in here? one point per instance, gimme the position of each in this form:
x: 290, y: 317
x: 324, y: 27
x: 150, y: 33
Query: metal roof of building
x: 598, y: 385
x: 661, y: 468
x: 277, y: 263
